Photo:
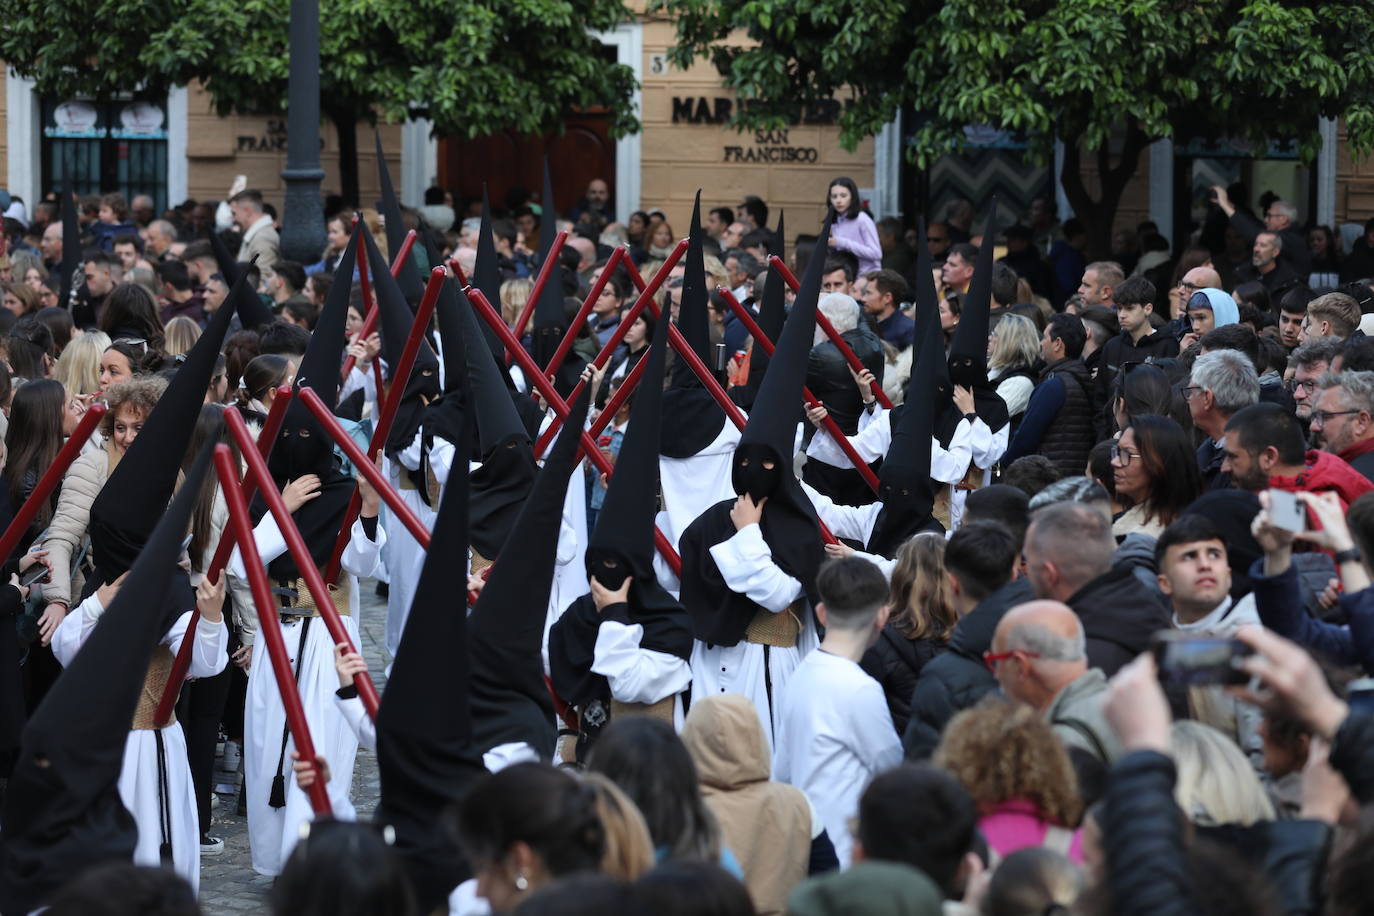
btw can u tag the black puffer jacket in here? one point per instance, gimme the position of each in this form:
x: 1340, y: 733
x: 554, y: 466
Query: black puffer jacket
x: 1118, y: 615
x: 895, y: 662
x: 827, y: 375
x: 1072, y: 435
x: 957, y: 678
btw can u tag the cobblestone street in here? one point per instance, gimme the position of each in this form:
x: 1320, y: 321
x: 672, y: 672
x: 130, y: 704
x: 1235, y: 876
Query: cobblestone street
x: 228, y: 884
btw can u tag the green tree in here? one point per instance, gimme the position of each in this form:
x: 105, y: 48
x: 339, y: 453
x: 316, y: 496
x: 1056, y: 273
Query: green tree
x: 1085, y: 71
x: 474, y: 67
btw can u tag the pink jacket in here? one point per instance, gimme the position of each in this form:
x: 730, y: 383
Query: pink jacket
x: 1016, y: 824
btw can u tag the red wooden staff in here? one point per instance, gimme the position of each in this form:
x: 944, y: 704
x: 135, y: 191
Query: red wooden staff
x: 365, y: 289
x: 50, y: 479
x: 560, y: 407
x: 829, y: 423
x: 545, y: 270
x: 647, y: 291
x: 824, y: 324
x: 314, y: 582
x: 269, y: 623
x: 565, y: 345
x: 367, y: 468
x: 215, y: 570
x: 389, y: 407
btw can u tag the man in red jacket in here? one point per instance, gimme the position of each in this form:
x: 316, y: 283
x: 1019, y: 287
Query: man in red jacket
x: 1343, y: 420
x: 1265, y: 448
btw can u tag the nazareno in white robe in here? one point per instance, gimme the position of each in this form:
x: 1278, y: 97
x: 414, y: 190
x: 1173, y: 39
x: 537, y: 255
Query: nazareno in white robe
x: 139, y: 785
x: 746, y: 564
x: 403, y: 554
x: 273, y: 832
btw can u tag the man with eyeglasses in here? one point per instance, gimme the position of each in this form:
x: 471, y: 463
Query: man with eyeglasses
x: 1281, y: 219
x: 1039, y: 657
x: 1343, y: 420
x: 1309, y: 363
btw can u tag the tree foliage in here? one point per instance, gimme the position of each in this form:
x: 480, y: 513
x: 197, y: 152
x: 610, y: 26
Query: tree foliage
x: 1080, y: 70
x: 473, y: 67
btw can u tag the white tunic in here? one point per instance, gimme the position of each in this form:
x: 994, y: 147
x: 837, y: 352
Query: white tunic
x: 404, y: 556
x: 852, y: 522
x: 972, y: 443
x: 273, y: 832
x: 693, y: 485
x: 139, y: 786
x: 834, y: 735
x: 746, y: 564
x: 636, y: 674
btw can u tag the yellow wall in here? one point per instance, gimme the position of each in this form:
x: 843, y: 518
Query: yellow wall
x: 217, y: 149
x: 677, y: 159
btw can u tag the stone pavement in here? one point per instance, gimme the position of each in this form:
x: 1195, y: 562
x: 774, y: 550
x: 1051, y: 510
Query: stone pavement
x: 228, y: 884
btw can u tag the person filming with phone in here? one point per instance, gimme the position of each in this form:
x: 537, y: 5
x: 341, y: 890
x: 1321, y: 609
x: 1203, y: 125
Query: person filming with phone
x: 1195, y: 577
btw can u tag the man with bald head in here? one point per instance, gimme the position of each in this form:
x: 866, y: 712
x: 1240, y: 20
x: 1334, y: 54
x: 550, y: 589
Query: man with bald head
x: 1040, y: 657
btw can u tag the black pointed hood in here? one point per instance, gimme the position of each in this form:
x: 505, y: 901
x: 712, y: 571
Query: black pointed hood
x: 453, y: 347
x: 968, y: 351
x: 302, y: 447
x: 773, y: 422
x: 396, y: 321
x: 967, y: 364
x: 136, y: 493
x: 486, y: 276
x: 510, y: 701
x: 697, y: 418
x: 622, y: 546
x: 906, y: 489
x: 411, y: 285
x: 550, y: 321
x: 253, y: 312
x: 425, y: 755
x: 71, y: 242
x: 693, y: 317
x: 789, y: 524
x: 772, y: 313
x: 627, y: 513
x: 501, y: 484
x: 62, y: 806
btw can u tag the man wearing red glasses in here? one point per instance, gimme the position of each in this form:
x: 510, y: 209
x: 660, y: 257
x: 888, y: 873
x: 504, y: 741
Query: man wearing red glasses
x: 1039, y: 656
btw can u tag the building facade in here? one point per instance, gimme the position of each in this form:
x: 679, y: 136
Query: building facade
x: 177, y: 148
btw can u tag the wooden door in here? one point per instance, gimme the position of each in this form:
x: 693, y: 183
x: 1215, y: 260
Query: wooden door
x: 507, y: 160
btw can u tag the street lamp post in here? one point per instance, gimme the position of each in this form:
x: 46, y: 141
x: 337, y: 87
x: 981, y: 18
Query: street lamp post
x: 303, y: 237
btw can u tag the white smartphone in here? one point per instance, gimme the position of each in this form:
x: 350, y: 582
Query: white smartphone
x: 1286, y: 512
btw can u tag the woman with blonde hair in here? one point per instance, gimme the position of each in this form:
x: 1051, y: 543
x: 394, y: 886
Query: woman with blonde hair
x: 629, y: 848
x: 1013, y: 353
x: 920, y: 624
x: 180, y: 335
x: 514, y: 296
x: 1019, y: 775
x: 79, y: 365
x: 1216, y: 784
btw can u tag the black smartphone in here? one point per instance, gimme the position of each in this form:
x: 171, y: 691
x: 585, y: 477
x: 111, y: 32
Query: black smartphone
x: 1360, y: 695
x: 1198, y: 661
x: 35, y: 573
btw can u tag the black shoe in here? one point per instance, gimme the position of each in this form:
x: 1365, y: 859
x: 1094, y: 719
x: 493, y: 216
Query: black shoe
x: 383, y: 590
